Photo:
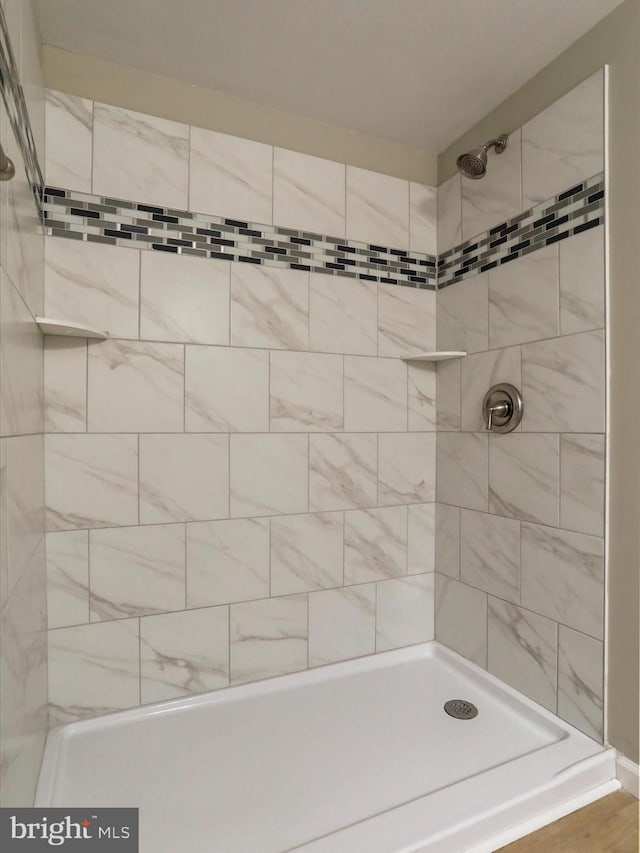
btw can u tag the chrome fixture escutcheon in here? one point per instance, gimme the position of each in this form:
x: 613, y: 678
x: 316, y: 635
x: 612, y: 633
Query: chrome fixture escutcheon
x: 502, y: 408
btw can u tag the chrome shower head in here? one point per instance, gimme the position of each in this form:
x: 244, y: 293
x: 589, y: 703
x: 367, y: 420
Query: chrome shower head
x: 473, y: 164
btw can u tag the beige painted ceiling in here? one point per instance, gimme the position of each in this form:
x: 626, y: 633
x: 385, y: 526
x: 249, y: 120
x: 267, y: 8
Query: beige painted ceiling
x: 416, y: 72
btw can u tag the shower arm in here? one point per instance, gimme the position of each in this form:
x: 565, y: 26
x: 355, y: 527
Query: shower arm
x: 7, y: 169
x: 499, y: 143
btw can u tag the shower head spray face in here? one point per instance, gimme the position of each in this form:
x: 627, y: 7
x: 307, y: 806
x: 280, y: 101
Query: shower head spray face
x: 473, y: 164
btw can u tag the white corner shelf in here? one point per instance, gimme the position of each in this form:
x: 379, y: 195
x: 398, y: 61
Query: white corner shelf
x: 69, y: 330
x: 441, y: 355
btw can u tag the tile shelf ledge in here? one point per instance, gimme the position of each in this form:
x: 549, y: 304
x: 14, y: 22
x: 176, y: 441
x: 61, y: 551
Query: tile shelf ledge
x: 435, y: 355
x: 49, y: 326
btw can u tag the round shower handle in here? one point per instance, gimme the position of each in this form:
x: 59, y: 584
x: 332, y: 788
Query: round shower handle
x: 502, y: 408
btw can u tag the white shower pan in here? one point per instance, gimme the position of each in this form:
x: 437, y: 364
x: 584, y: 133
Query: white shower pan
x: 356, y: 757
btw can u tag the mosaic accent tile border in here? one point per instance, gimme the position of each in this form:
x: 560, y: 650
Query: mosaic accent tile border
x: 13, y: 96
x: 80, y: 216
x: 570, y: 212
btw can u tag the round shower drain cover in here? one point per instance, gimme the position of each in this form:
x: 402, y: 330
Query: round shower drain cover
x: 461, y: 709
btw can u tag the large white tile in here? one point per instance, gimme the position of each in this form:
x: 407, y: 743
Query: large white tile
x: 449, y: 213
x: 67, y: 578
x: 563, y: 577
x: 306, y: 552
x: 463, y: 315
x: 269, y: 474
x: 448, y: 395
x: 523, y: 299
x: 183, y: 478
x: 343, y: 471
x: 421, y: 535
x: 183, y: 299
x: 306, y: 391
x: 462, y: 469
x: 69, y: 130
x: 461, y: 618
x: 92, y: 480
x: 406, y: 320
x: 421, y: 400
x: 269, y: 307
x: 582, y: 483
x: 448, y: 540
x: 563, y: 383
x: 135, y: 386
x: 377, y: 208
x: 343, y: 315
x: 139, y: 156
x: 65, y: 384
x: 375, y: 544
x: 523, y: 478
x: 423, y: 218
x: 183, y: 653
x: 490, y: 554
x: 522, y: 651
x: 582, y: 284
x: 581, y: 682
x: 93, y: 669
x: 93, y: 284
x: 136, y: 571
x: 227, y: 561
x: 564, y: 144
x: 375, y: 394
x: 496, y: 196
x: 481, y: 371
x: 226, y: 390
x: 268, y: 638
x: 404, y: 612
x: 230, y: 176
x: 406, y: 467
x: 342, y: 624
x: 308, y: 193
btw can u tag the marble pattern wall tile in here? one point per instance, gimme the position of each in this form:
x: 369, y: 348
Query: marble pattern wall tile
x: 564, y: 384
x: 92, y: 480
x: 581, y: 682
x: 449, y: 213
x: 557, y: 563
x: 269, y: 474
x: 342, y: 624
x: 423, y: 218
x: 582, y: 483
x: 343, y: 315
x: 183, y: 299
x: 375, y: 544
x: 306, y: 392
x: 65, y: 384
x: 268, y: 638
x: 404, y: 612
x: 463, y: 315
x: 183, y: 477
x: 524, y: 477
x: 496, y: 197
x: 406, y: 466
x: 522, y: 651
x: 230, y: 176
x: 226, y: 390
x: 523, y: 299
x: 462, y: 469
x: 136, y: 571
x: 447, y: 540
x: 377, y: 208
x: 343, y: 471
x: 184, y: 653
x: 136, y: 155
x: 375, y: 394
x: 448, y: 395
x: 421, y: 398
x: 93, y: 669
x: 269, y: 307
x: 490, y: 554
x: 100, y: 282
x: 308, y: 193
x: 227, y: 561
x: 420, y: 538
x: 69, y: 152
x: 23, y: 488
x: 67, y: 578
x: 582, y: 282
x: 306, y: 552
x: 135, y: 387
x: 478, y: 373
x: 456, y: 605
x: 564, y: 143
x: 406, y: 320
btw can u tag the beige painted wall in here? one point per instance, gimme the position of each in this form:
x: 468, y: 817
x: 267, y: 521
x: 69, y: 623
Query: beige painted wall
x: 616, y: 42
x: 150, y: 93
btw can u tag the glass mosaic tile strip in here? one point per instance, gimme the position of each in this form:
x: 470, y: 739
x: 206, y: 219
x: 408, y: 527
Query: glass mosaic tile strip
x: 81, y: 216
